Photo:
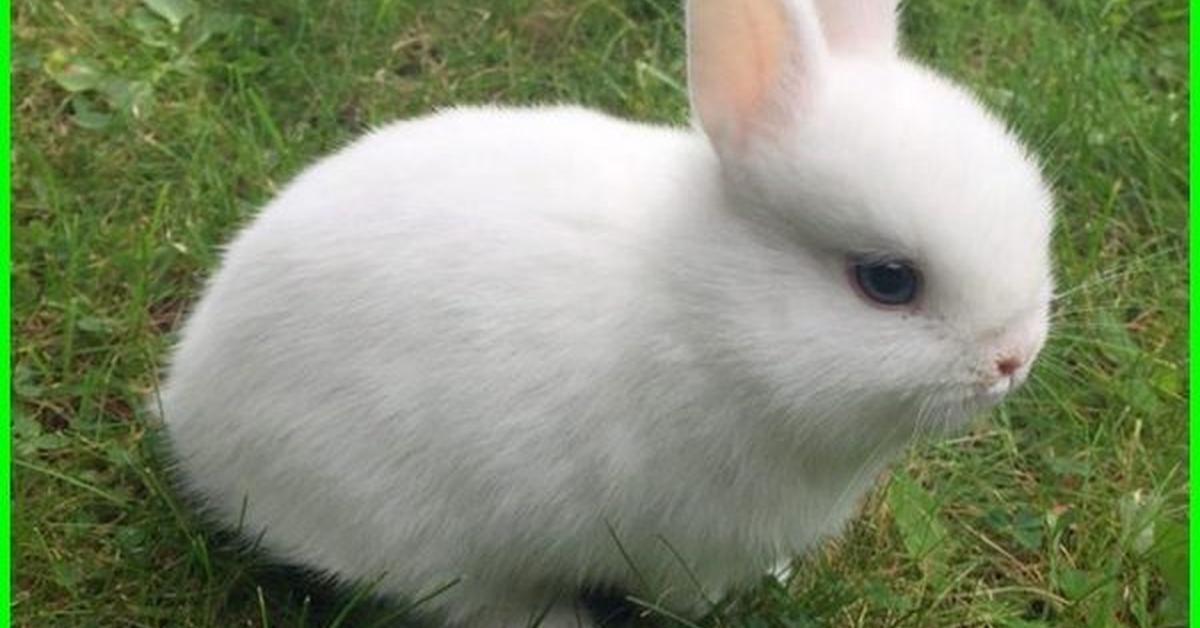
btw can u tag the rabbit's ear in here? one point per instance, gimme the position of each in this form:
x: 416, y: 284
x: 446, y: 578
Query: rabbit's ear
x: 752, y: 65
x: 859, y: 26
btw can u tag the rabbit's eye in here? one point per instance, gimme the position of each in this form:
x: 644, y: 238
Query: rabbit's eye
x: 887, y: 283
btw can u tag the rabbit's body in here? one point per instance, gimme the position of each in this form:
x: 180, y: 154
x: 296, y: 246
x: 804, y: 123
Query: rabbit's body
x: 531, y: 370
x: 544, y: 350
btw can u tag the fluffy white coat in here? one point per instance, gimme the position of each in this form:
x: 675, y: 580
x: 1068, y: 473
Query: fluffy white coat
x: 537, y: 350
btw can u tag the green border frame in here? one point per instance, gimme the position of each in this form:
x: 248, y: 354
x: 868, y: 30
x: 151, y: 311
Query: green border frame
x: 5, y: 331
x: 5, y: 339
x: 1193, y: 316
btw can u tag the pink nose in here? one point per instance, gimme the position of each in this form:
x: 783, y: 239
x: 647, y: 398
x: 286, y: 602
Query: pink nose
x: 1008, y: 364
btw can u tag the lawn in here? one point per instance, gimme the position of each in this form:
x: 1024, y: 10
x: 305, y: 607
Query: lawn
x: 146, y: 132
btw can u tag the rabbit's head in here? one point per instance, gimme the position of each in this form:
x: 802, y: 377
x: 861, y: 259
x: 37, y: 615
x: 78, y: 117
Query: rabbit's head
x: 902, y: 270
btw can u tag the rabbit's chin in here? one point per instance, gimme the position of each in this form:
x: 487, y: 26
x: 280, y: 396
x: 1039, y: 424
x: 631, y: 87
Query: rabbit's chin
x: 953, y: 411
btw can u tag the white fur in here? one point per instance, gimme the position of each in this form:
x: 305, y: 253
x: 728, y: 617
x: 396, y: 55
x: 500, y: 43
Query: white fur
x: 482, y: 344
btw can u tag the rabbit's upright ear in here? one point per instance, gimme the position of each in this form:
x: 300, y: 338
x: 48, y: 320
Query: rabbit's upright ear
x: 859, y: 26
x: 753, y: 65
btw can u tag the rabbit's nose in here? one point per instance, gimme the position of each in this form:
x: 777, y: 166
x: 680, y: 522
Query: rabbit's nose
x: 1008, y: 364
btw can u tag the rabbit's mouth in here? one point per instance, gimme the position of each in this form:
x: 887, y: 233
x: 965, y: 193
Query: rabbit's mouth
x: 954, y: 408
x: 993, y: 390
x: 984, y: 399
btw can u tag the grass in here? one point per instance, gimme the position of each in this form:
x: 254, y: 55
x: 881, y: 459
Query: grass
x: 147, y: 132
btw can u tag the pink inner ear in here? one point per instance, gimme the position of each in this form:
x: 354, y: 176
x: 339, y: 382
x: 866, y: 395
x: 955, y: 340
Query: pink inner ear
x: 737, y: 49
x: 767, y: 40
x: 859, y: 26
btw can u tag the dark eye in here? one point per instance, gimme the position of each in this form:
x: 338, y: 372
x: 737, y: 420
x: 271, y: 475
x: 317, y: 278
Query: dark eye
x: 887, y: 283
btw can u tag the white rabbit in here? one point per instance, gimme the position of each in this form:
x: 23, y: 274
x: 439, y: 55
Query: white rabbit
x: 541, y: 350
